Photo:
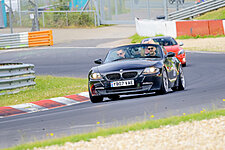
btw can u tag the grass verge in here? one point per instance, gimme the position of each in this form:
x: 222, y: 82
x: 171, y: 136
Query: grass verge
x: 199, y: 36
x: 217, y: 14
x: 137, y: 38
x: 175, y: 120
x: 46, y: 87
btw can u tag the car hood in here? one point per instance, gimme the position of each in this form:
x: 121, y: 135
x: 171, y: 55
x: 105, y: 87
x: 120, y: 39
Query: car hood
x: 129, y: 64
x: 174, y: 48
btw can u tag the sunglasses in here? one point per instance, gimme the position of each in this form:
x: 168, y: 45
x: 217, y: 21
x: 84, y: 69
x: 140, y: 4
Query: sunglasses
x: 150, y: 48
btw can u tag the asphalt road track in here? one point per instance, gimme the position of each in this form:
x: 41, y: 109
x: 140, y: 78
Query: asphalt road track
x: 205, y: 89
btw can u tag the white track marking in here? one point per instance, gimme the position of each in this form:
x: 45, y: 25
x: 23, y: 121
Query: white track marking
x: 28, y: 107
x: 64, y: 100
x: 85, y: 94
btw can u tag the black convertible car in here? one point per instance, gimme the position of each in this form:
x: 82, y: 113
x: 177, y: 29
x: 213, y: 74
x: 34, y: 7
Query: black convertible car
x: 131, y: 69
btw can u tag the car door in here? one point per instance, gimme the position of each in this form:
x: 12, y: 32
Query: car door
x: 170, y: 64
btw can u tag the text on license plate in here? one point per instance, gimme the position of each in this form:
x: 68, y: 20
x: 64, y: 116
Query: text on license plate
x: 122, y: 83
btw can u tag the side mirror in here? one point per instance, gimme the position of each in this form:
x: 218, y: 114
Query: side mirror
x: 181, y: 44
x: 171, y: 54
x: 98, y: 61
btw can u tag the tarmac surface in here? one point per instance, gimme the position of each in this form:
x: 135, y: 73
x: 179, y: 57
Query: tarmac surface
x: 205, y: 90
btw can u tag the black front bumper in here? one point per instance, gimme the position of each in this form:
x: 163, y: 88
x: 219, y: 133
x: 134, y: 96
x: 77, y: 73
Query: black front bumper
x: 143, y: 84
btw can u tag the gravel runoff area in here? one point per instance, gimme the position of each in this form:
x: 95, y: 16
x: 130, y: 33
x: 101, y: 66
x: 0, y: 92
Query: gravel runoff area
x: 196, y: 135
x: 205, y: 44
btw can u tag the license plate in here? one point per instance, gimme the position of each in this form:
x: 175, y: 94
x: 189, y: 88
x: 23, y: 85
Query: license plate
x: 122, y: 83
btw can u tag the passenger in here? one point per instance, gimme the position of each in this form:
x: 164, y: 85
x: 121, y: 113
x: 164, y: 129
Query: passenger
x: 149, y: 42
x: 150, y: 51
x: 166, y: 43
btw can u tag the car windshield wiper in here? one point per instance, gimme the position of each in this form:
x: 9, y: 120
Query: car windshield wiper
x: 121, y: 59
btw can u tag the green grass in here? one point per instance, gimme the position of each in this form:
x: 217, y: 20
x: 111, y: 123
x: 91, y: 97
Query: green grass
x: 217, y: 14
x: 46, y: 87
x: 150, y: 124
x: 199, y: 36
x: 137, y: 38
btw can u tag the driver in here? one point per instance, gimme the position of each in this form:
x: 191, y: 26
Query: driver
x: 121, y: 54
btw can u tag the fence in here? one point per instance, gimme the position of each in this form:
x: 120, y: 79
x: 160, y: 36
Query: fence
x: 196, y: 9
x: 14, y: 76
x: 56, y: 18
x: 53, y: 14
x: 124, y: 11
x: 107, y: 11
x: 26, y: 39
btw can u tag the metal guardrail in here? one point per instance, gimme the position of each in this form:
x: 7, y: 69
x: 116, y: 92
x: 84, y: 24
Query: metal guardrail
x: 196, y: 9
x: 14, y: 40
x: 40, y: 38
x: 14, y: 76
x: 26, y: 39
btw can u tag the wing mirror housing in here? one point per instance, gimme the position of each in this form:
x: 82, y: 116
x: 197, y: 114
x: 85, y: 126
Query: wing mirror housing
x: 181, y: 43
x: 171, y: 54
x: 98, y: 61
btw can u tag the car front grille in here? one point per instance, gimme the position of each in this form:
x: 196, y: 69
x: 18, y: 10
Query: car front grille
x: 125, y: 75
x: 128, y: 75
x: 113, y: 76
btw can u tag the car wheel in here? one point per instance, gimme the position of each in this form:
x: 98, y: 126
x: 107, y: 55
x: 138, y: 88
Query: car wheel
x: 184, y: 65
x: 182, y: 82
x: 114, y: 97
x: 165, y: 84
x: 95, y: 99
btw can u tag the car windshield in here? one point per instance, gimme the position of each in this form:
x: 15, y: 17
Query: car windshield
x: 165, y: 41
x: 134, y: 52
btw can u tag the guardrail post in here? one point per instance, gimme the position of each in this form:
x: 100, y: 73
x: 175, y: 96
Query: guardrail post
x: 67, y: 22
x: 97, y: 12
x: 166, y: 9
x: 43, y: 15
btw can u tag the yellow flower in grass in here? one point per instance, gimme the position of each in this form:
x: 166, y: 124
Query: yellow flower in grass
x: 203, y: 110
x: 152, y: 116
x: 98, y: 122
x: 51, y: 134
x: 224, y: 100
x: 184, y: 114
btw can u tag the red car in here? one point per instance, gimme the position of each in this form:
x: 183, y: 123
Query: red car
x: 171, y: 45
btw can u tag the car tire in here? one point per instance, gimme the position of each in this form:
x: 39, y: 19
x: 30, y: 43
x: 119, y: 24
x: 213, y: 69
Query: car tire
x: 165, y: 83
x: 95, y: 99
x: 114, y: 97
x: 184, y: 65
x: 182, y: 83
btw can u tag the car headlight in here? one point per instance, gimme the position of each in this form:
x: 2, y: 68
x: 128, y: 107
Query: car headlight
x: 95, y: 76
x: 181, y: 52
x: 150, y: 70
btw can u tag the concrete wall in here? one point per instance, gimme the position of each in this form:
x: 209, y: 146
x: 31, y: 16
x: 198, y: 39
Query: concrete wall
x: 179, y: 28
